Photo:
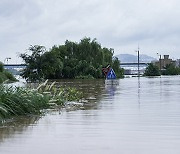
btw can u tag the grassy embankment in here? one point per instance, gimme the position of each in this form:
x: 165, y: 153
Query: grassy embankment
x: 5, y: 76
x: 18, y: 101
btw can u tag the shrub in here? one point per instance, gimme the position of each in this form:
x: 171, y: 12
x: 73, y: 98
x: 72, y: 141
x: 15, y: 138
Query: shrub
x: 152, y: 70
x: 171, y: 69
x: 1, y: 67
x: 9, y: 76
x: 5, y: 75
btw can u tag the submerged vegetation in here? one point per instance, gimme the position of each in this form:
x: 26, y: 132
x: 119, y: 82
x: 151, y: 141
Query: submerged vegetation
x: 17, y: 101
x: 71, y: 60
x: 6, y: 76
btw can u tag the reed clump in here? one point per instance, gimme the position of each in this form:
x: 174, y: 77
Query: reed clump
x: 18, y: 101
x: 59, y: 95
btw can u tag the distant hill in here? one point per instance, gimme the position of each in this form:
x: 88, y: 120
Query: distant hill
x: 128, y: 58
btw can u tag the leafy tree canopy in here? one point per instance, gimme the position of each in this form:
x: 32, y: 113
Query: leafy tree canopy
x: 71, y: 60
x: 152, y: 70
x: 171, y: 69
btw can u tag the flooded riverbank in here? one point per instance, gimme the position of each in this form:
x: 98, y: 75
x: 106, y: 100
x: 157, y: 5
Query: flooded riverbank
x: 137, y: 116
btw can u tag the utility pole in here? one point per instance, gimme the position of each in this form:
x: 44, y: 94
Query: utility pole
x: 138, y: 61
x: 159, y: 62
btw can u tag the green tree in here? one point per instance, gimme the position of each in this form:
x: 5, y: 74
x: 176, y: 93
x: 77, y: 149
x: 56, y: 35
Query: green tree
x: 171, y: 69
x: 52, y: 65
x: 116, y: 67
x: 40, y: 64
x: 152, y: 70
x: 33, y: 70
x: 85, y: 58
x: 71, y: 60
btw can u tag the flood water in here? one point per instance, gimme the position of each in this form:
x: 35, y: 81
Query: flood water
x: 139, y: 116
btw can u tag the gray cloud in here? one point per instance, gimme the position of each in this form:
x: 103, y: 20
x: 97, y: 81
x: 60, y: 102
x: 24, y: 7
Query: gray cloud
x: 118, y: 24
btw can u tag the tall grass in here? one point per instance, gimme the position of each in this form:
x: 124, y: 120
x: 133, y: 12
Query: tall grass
x: 17, y: 101
x: 59, y: 95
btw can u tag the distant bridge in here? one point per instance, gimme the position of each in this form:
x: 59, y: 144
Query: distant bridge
x: 133, y: 64
x: 14, y: 66
x: 130, y: 68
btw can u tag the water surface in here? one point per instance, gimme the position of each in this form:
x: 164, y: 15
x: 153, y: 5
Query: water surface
x: 139, y: 116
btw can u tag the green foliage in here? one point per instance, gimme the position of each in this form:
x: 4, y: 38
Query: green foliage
x: 41, y: 64
x: 71, y: 60
x: 119, y: 71
x: 9, y: 76
x: 33, y: 71
x: 1, y: 67
x: 2, y: 77
x: 152, y: 70
x: 15, y: 101
x: 59, y: 95
x: 70, y: 94
x: 85, y: 77
x: 171, y: 69
x: 5, y: 75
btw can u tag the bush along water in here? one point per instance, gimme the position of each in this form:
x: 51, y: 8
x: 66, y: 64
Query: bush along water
x: 6, y: 76
x: 18, y: 101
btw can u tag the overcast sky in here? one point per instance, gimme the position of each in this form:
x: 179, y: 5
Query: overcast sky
x: 118, y: 24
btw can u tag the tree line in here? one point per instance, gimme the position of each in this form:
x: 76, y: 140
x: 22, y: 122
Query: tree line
x: 153, y: 70
x: 70, y: 60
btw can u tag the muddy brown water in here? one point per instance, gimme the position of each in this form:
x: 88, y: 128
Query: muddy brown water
x: 138, y: 116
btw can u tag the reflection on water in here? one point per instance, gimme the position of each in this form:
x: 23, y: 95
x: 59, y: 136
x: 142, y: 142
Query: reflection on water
x: 92, y: 92
x: 16, y: 126
x: 139, y: 116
